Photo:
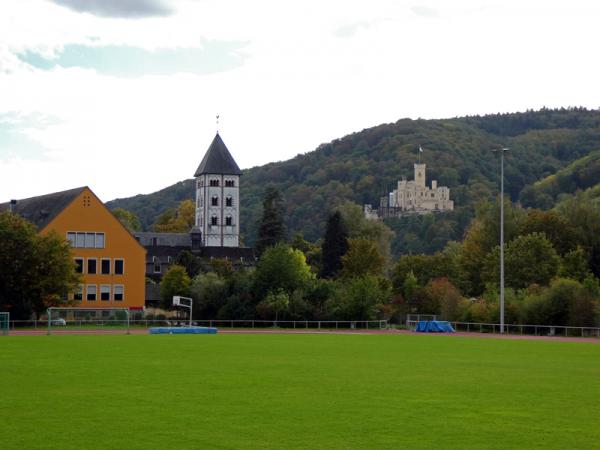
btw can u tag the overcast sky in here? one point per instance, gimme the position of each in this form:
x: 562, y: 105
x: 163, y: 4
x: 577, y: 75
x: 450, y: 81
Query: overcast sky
x: 121, y: 95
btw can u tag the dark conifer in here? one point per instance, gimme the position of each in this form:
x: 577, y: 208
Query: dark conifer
x: 335, y: 245
x: 271, y: 228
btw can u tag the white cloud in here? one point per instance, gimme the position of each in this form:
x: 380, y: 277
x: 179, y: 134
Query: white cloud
x: 299, y: 85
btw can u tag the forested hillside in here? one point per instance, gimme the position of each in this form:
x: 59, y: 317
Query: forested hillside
x: 362, y: 166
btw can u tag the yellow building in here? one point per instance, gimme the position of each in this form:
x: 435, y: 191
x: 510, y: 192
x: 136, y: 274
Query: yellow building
x: 109, y: 258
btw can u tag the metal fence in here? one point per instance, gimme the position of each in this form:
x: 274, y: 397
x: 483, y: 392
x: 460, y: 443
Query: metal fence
x: 246, y: 324
x: 533, y: 330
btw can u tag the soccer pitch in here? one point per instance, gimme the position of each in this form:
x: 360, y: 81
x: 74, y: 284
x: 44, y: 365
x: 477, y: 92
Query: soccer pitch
x: 297, y: 391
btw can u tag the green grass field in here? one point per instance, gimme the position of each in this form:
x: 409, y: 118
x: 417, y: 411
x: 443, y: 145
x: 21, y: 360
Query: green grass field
x: 297, y: 391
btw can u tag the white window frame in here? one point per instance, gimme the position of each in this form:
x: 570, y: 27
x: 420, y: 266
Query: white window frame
x: 72, y: 238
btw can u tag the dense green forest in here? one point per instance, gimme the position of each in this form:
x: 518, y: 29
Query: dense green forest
x: 360, y: 167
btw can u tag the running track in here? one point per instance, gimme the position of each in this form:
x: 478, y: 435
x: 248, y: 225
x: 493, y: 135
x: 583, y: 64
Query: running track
x: 292, y: 331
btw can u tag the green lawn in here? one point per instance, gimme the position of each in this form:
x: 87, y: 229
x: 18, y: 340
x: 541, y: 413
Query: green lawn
x: 296, y: 391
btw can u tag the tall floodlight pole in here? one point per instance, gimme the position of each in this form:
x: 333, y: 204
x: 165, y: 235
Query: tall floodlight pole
x: 501, y: 150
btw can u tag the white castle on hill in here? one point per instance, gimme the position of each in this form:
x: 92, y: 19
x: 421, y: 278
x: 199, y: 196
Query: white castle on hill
x: 412, y: 197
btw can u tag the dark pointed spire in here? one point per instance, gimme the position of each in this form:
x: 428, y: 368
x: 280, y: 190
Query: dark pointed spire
x: 218, y: 160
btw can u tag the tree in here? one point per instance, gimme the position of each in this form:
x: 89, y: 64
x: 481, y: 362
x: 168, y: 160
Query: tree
x: 311, y: 251
x: 281, y: 267
x: 175, y: 282
x: 190, y: 262
x: 335, y: 245
x: 359, y: 298
x: 128, y: 219
x: 444, y: 298
x: 271, y: 228
x: 36, y: 271
x: 482, y: 236
x: 373, y: 230
x: 529, y: 259
x: 179, y: 221
x: 209, y: 292
x: 574, y: 265
x: 584, y: 216
x: 409, y: 288
x: 275, y: 302
x: 557, y: 229
x: 362, y: 258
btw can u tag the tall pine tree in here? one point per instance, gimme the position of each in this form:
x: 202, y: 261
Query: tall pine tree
x: 271, y: 228
x: 335, y: 245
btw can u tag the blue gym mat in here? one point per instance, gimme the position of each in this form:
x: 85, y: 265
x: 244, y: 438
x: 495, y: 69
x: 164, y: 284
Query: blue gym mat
x: 434, y: 326
x: 183, y: 330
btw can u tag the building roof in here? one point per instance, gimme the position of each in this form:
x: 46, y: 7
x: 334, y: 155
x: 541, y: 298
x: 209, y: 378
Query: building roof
x: 150, y: 239
x: 43, y: 209
x: 218, y: 160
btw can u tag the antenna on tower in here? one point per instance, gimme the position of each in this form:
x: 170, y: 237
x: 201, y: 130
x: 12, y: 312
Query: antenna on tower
x: 217, y: 123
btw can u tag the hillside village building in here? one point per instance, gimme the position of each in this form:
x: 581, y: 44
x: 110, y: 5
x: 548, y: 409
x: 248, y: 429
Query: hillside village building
x: 412, y: 197
x: 108, y: 257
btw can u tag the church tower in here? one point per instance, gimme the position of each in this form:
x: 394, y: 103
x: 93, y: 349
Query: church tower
x: 217, y: 197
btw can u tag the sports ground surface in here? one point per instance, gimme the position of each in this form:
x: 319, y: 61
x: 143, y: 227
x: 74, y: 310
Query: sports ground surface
x: 297, y: 391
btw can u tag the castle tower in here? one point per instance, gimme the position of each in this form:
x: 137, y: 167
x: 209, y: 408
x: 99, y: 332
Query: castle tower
x: 217, y: 197
x: 420, y: 175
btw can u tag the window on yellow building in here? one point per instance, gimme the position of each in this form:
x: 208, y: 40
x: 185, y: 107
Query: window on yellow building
x: 119, y: 266
x: 105, y: 292
x: 91, y: 293
x: 118, y: 292
x: 91, y: 266
x: 105, y: 266
x: 78, y: 265
x: 78, y: 295
x: 90, y: 240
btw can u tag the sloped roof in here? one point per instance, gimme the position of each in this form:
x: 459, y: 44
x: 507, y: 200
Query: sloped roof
x: 218, y: 160
x: 43, y: 209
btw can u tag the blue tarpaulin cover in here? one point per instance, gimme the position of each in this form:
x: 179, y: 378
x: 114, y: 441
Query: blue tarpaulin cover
x: 434, y: 326
x: 183, y: 330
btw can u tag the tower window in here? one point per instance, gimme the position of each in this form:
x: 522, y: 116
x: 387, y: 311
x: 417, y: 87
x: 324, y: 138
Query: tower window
x: 229, y: 201
x: 214, y: 183
x: 229, y: 183
x: 214, y: 201
x: 228, y: 221
x: 214, y: 220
